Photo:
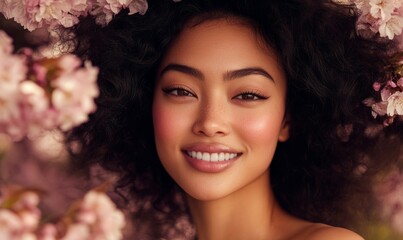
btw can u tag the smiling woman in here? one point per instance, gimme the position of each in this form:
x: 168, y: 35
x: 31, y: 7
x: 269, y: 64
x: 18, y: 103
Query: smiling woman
x: 227, y: 112
x: 222, y: 102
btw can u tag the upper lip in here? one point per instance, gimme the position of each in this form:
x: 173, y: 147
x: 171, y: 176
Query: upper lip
x: 210, y: 148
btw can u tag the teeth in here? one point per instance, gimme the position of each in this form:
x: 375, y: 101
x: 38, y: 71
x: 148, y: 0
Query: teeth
x: 212, y: 157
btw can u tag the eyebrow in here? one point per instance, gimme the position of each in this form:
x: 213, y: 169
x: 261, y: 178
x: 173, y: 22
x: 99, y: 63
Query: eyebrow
x: 183, y: 69
x: 246, y: 72
x: 233, y: 74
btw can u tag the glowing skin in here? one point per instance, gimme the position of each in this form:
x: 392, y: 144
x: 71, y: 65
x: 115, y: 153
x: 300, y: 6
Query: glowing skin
x: 219, y: 91
x: 218, y: 114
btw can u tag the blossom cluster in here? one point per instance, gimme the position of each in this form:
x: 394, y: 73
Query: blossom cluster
x: 33, y: 14
x: 390, y: 105
x: 381, y: 16
x: 95, y: 217
x: 385, y: 17
x: 38, y: 93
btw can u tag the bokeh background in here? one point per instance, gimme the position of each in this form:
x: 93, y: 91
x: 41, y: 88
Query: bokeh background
x: 43, y: 163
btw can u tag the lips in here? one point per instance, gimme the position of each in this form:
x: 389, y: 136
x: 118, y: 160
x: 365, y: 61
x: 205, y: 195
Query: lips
x: 210, y: 158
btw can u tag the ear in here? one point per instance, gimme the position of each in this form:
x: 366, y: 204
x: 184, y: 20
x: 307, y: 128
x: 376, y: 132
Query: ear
x: 284, y: 131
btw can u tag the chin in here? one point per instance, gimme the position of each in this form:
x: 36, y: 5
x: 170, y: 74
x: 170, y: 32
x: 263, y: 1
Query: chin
x: 206, y: 194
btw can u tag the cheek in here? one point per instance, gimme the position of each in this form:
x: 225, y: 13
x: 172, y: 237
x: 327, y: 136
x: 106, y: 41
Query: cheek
x: 261, y: 128
x: 169, y: 123
x: 163, y: 121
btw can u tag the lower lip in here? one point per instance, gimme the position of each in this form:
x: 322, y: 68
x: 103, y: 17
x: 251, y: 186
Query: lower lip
x: 209, y: 167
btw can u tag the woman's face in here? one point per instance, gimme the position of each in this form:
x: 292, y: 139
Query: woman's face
x: 218, y: 109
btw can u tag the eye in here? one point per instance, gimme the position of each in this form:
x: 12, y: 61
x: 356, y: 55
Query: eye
x: 178, y: 91
x: 250, y: 96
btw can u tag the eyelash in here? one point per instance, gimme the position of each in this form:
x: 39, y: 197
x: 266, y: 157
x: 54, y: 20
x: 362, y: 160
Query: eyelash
x: 180, y: 92
x: 255, y: 96
x: 244, y: 96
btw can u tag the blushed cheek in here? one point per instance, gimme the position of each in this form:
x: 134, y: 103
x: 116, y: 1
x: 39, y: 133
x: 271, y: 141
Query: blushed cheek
x: 170, y: 124
x: 261, y: 130
x: 163, y: 123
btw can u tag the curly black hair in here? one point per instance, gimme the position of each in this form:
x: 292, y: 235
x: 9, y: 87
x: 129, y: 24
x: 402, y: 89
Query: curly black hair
x: 329, y: 70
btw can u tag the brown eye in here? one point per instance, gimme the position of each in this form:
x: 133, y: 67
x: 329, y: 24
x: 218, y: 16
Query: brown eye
x: 177, y: 91
x: 250, y: 96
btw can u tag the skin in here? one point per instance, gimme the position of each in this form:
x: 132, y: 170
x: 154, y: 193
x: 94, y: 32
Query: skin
x: 219, y: 88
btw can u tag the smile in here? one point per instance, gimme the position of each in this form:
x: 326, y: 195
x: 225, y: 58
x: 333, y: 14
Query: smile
x: 212, y: 157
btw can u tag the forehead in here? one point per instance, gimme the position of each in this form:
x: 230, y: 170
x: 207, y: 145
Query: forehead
x: 222, y: 45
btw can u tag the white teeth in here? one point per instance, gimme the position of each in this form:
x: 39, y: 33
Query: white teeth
x: 212, y: 157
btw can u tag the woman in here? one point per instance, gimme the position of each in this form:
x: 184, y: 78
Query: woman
x: 232, y: 112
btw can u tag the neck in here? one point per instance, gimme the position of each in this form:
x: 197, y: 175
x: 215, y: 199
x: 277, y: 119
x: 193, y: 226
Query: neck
x: 244, y: 214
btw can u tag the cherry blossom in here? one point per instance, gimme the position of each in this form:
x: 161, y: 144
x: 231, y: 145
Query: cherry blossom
x: 33, y: 14
x: 391, y: 27
x: 73, y: 95
x: 380, y: 16
x: 395, y: 104
x: 6, y: 43
x: 10, y: 224
x: 17, y: 10
x: 98, y: 211
x: 382, y: 8
x: 95, y: 217
x: 77, y: 231
x: 43, y: 99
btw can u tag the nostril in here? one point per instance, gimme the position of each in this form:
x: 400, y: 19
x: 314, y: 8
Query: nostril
x: 211, y: 129
x: 211, y: 121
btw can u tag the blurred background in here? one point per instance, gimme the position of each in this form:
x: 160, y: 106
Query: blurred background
x: 43, y: 163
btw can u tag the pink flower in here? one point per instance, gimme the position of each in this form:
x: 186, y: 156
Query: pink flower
x: 81, y: 7
x: 77, y: 231
x: 73, y: 95
x: 61, y: 98
x: 138, y: 6
x: 29, y: 220
x: 385, y: 93
x: 376, y: 86
x: 48, y: 232
x: 10, y: 224
x: 12, y: 72
x: 33, y: 14
x: 35, y: 105
x: 380, y: 16
x: 54, y: 12
x: 6, y: 43
x: 9, y: 107
x: 391, y: 27
x: 379, y: 108
x: 395, y: 104
x: 102, y: 13
x: 382, y: 8
x: 12, y: 67
x: 101, y: 213
x: 94, y: 218
x: 16, y: 9
x: 34, y: 98
x: 400, y: 83
x: 69, y: 63
x: 31, y: 7
x: 21, y: 218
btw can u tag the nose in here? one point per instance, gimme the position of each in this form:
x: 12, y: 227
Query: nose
x: 212, y: 120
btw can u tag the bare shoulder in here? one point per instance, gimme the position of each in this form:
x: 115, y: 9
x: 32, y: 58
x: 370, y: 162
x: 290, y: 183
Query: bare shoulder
x: 326, y: 232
